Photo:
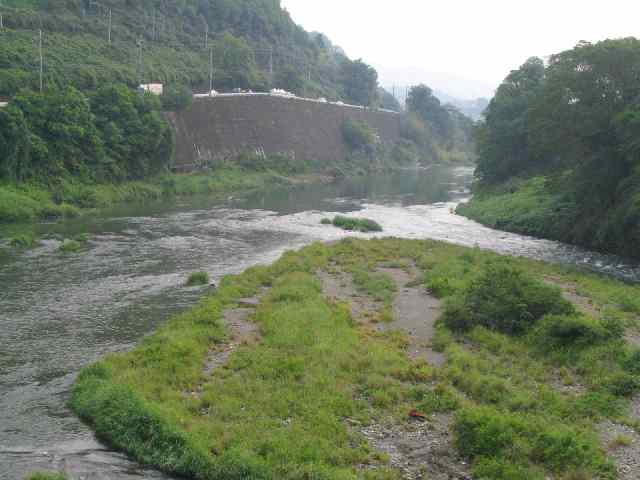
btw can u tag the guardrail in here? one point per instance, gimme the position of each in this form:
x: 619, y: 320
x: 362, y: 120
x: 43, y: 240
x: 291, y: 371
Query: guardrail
x: 291, y: 97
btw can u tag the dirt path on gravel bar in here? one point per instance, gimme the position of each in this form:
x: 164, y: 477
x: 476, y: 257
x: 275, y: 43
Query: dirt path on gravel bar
x: 242, y: 331
x: 339, y: 286
x: 415, y: 311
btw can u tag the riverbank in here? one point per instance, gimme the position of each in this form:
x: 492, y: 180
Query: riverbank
x: 530, y: 208
x: 318, y: 366
x: 24, y: 203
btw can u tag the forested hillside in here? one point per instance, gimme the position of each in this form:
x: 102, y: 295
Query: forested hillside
x: 559, y: 151
x: 69, y: 69
x: 253, y: 43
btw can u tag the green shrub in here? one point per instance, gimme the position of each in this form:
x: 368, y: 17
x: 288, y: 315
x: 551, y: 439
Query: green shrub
x: 440, y: 287
x: 24, y: 240
x: 439, y: 400
x: 70, y: 246
x: 176, y: 98
x: 354, y: 224
x: 503, y: 469
x: 574, y: 330
x: 198, y: 278
x: 326, y: 221
x: 632, y: 362
x: 489, y: 436
x: 505, y: 299
x: 622, y: 384
x: 358, y: 135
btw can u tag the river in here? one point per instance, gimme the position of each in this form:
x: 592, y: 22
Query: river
x: 61, y: 312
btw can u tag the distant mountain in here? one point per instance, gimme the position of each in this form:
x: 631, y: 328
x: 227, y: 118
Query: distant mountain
x: 471, y: 108
x: 453, y: 85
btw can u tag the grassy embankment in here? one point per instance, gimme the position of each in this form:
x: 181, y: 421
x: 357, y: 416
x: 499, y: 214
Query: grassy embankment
x: 530, y: 207
x: 21, y: 203
x: 279, y: 409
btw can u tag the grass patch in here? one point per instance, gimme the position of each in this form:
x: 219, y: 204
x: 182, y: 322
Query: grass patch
x: 198, y: 278
x: 24, y: 240
x: 71, y: 198
x: 70, y: 246
x: 364, y: 225
x: 47, y: 476
x: 277, y: 409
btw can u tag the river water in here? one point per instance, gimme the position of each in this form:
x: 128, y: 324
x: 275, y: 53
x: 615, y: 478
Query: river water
x: 60, y: 312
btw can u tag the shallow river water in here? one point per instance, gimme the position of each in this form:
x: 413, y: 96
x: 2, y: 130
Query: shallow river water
x: 59, y: 312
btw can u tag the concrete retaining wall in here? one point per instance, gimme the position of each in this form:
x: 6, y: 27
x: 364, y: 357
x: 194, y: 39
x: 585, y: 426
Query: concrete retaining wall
x: 217, y: 128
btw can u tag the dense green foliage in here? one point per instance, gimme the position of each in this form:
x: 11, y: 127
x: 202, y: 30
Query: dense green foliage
x: 353, y: 224
x: 577, y: 123
x: 198, y: 279
x: 437, y: 130
x: 504, y: 299
x: 358, y: 135
x: 255, y: 46
x: 114, y: 135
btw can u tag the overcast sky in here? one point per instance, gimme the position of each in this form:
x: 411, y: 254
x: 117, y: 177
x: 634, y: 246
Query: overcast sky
x: 468, y: 46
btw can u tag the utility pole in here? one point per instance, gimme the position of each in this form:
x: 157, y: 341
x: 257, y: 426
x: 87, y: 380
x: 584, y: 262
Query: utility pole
x: 210, y: 71
x: 140, y: 59
x: 271, y: 63
x: 41, y: 59
x: 206, y: 35
x: 109, y: 34
x: 153, y: 28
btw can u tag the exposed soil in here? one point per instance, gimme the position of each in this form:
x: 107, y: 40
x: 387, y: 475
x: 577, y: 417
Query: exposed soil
x: 241, y: 332
x: 623, y: 446
x: 633, y: 337
x: 339, y: 286
x: 420, y: 450
x: 570, y: 293
x: 416, y: 311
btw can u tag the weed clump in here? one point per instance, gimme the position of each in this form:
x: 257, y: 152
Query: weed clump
x: 505, y: 444
x: 364, y: 225
x: 70, y: 246
x: 561, y: 331
x: 198, y: 279
x: 505, y: 299
x: 23, y: 241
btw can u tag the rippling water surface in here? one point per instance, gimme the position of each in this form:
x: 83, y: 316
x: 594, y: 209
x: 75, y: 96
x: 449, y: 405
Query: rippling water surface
x: 60, y: 312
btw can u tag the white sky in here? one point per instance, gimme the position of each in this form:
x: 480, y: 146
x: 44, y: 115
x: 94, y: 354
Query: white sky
x: 477, y: 40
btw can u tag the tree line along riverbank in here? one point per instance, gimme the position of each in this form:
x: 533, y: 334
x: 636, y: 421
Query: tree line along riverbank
x: 308, y: 369
x: 559, y: 155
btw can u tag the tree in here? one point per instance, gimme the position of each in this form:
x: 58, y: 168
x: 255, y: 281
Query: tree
x: 235, y: 62
x: 176, y: 97
x: 388, y: 101
x: 62, y: 120
x: 423, y: 103
x: 360, y: 82
x: 14, y: 145
x: 137, y: 141
x: 289, y: 79
x: 503, y: 139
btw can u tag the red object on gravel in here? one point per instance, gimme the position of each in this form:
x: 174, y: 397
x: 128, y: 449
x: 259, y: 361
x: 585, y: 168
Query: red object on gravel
x: 417, y: 415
